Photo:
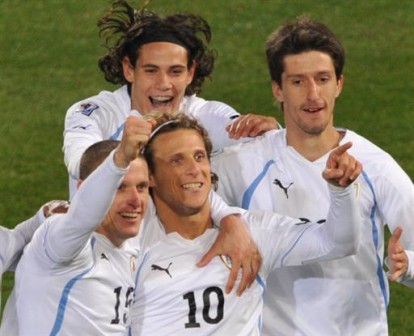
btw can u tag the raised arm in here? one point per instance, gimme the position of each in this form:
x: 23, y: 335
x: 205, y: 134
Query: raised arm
x: 294, y: 243
x: 67, y: 237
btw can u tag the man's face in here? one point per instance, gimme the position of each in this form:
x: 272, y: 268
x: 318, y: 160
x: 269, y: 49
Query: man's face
x: 309, y: 90
x: 129, y: 205
x: 181, y: 180
x: 159, y: 78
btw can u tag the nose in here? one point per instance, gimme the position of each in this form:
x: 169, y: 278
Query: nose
x: 313, y: 90
x: 193, y: 167
x: 134, y: 197
x: 163, y: 81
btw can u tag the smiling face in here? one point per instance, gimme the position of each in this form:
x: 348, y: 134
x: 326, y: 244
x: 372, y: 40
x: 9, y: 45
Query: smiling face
x: 308, y: 92
x: 181, y: 179
x: 129, y: 205
x: 159, y: 78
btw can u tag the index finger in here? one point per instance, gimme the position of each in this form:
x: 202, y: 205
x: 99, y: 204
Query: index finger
x: 342, y: 148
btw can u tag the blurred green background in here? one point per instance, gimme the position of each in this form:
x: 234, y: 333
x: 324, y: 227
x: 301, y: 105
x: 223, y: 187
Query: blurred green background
x: 48, y: 60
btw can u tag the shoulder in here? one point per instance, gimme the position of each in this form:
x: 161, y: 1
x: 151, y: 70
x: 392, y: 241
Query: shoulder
x: 197, y: 106
x: 366, y: 151
x: 106, y: 101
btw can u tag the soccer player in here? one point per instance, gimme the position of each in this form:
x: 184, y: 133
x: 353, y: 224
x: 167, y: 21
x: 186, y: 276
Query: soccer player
x: 173, y: 297
x: 76, y: 276
x: 161, y: 63
x: 282, y: 170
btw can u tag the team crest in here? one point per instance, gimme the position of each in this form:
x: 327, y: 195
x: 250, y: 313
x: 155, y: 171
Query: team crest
x: 133, y: 263
x: 87, y: 108
x: 226, y: 261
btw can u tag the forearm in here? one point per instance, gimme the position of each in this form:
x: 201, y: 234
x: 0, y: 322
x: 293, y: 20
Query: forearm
x: 220, y: 209
x: 14, y: 241
x: 340, y: 235
x: 86, y: 212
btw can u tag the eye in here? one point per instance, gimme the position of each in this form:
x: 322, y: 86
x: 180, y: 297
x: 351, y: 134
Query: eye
x: 200, y: 156
x: 142, y: 187
x: 177, y: 71
x: 150, y: 70
x: 297, y: 82
x: 176, y: 160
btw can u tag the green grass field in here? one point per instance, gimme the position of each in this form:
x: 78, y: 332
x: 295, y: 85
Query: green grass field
x: 48, y: 60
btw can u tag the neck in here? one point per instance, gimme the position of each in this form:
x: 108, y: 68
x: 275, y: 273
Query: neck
x: 314, y: 146
x: 189, y: 224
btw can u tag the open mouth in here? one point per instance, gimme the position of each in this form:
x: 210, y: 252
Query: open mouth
x: 129, y: 215
x: 192, y: 186
x: 161, y: 101
x: 313, y: 109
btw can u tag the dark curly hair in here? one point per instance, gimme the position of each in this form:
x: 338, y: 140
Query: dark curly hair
x: 125, y: 30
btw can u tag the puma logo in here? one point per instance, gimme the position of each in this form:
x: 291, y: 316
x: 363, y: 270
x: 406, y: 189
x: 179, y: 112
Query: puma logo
x: 285, y: 189
x: 159, y: 268
x: 103, y: 256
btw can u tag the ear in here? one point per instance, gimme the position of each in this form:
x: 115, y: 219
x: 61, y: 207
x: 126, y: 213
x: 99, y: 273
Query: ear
x: 128, y: 69
x: 339, y: 86
x: 151, y: 181
x: 277, y: 92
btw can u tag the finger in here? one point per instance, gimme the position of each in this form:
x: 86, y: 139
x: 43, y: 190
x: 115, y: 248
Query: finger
x: 336, y: 155
x: 347, y: 166
x: 234, y: 271
x: 239, y: 127
x: 211, y: 253
x: 396, y: 235
x: 342, y: 148
x: 245, y: 280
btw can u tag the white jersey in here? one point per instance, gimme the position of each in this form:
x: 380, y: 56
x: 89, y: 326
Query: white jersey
x: 175, y: 297
x: 102, y: 117
x: 72, y: 280
x: 12, y: 243
x: 343, y: 297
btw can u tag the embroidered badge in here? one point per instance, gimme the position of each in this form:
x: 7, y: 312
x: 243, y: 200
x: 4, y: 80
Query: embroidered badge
x: 88, y: 108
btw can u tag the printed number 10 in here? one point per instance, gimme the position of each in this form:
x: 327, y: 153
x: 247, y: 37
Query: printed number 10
x: 192, y: 323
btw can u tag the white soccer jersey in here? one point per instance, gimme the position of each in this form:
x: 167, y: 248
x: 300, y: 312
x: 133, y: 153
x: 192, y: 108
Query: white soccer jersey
x: 103, y: 116
x: 12, y: 241
x: 175, y: 297
x: 72, y: 280
x: 342, y: 297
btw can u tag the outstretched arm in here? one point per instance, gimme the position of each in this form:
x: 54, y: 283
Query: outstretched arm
x: 340, y: 235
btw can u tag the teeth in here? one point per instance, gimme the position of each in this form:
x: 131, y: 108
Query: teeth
x: 312, y: 109
x: 192, y: 186
x: 129, y: 214
x: 161, y: 100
